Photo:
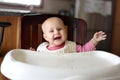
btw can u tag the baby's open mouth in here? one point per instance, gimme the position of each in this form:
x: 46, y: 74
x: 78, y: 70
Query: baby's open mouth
x: 57, y: 38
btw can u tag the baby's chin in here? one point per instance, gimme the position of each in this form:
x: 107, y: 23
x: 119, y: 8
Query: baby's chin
x: 59, y: 43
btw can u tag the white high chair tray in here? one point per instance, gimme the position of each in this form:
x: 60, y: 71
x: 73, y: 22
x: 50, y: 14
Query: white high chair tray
x: 22, y: 64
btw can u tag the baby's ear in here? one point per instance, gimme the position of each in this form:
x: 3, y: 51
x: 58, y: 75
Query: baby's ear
x: 66, y: 27
x: 44, y: 36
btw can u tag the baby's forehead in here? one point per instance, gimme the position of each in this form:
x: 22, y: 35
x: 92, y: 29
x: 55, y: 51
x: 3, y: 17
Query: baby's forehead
x: 54, y: 18
x: 52, y: 21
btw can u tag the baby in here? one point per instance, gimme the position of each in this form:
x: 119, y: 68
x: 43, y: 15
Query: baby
x: 55, y: 33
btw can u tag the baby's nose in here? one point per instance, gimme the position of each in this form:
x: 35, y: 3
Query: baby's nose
x: 56, y: 31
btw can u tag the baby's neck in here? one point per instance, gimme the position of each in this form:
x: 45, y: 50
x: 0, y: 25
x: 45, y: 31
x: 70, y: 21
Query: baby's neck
x: 56, y: 47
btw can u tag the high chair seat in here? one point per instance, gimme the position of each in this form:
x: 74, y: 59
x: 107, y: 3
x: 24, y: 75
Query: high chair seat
x: 31, y: 33
x: 20, y: 64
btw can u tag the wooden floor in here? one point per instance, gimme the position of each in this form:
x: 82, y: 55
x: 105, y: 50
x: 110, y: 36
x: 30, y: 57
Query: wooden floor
x: 1, y: 76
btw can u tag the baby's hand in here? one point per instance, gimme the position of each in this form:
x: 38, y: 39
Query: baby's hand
x: 98, y: 36
x: 32, y: 49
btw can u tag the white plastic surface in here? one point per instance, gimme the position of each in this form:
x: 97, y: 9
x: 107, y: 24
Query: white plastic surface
x: 22, y: 64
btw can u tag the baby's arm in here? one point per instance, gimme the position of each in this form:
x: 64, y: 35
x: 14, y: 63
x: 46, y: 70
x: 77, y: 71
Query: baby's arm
x: 98, y: 36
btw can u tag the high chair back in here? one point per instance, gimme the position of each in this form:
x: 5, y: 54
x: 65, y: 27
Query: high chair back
x: 31, y: 33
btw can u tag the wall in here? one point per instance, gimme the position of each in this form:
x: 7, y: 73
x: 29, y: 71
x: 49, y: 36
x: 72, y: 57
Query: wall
x: 53, y: 6
x: 79, y: 9
x: 97, y: 14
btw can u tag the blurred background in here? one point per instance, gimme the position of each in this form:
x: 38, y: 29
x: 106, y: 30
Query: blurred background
x: 99, y: 15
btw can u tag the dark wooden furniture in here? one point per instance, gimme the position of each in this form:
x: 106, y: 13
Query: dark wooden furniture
x: 115, y: 44
x: 12, y: 34
x: 31, y: 33
x: 3, y: 25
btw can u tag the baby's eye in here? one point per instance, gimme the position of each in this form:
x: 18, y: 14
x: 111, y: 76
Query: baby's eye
x: 51, y: 31
x: 59, y: 29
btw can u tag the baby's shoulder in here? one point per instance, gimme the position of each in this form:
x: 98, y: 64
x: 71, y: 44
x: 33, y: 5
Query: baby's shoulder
x: 43, y: 44
x: 70, y: 42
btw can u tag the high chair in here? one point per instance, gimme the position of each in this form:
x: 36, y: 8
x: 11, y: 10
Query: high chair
x: 23, y: 64
x: 31, y: 33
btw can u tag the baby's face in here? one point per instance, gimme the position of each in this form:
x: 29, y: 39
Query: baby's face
x: 55, y: 32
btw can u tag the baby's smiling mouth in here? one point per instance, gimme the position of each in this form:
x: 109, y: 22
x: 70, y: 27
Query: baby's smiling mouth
x: 57, y: 38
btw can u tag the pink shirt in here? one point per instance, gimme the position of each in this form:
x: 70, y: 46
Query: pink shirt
x: 87, y: 47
